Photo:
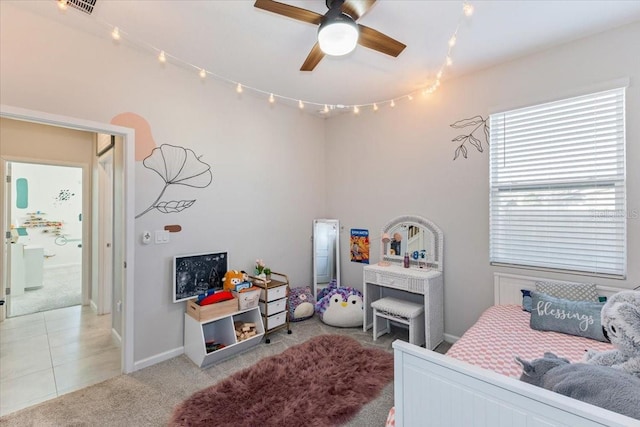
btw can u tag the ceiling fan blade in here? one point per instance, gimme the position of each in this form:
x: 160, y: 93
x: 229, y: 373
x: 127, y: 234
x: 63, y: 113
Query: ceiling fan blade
x: 357, y: 8
x: 289, y: 11
x: 313, y: 58
x: 375, y: 40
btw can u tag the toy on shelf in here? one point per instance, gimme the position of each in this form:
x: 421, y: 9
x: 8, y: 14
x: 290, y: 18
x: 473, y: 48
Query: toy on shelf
x: 212, y: 346
x: 214, y: 297
x: 235, y: 280
x: 244, y: 330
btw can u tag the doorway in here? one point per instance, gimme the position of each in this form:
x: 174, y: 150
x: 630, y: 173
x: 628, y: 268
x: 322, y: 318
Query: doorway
x: 123, y: 241
x: 45, y: 207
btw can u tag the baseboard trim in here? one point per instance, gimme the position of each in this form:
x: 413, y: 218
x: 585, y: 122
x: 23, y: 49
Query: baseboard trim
x: 451, y: 338
x: 149, y: 361
x: 60, y: 266
x: 116, y: 336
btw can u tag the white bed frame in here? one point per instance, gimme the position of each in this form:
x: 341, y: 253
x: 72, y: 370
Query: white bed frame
x: 431, y: 389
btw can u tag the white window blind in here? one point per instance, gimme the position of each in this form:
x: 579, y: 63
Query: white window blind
x: 557, y: 183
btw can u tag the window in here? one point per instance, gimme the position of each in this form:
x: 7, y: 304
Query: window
x: 557, y: 183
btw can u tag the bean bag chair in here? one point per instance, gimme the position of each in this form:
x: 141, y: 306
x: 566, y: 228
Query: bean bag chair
x: 340, y: 306
x: 301, y: 304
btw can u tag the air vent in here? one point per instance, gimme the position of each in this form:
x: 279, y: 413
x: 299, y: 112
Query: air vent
x: 85, y: 6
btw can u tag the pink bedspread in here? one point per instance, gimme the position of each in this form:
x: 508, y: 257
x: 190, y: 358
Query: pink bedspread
x: 503, y: 332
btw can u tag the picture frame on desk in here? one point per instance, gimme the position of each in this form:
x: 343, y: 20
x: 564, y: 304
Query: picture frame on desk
x: 195, y: 274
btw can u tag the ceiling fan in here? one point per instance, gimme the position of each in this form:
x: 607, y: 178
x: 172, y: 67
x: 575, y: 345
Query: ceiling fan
x: 338, y: 33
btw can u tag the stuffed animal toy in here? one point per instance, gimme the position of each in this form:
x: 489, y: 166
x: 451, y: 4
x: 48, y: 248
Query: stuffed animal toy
x: 340, y: 307
x: 233, y: 280
x: 301, y: 305
x: 621, y: 324
x: 608, y: 388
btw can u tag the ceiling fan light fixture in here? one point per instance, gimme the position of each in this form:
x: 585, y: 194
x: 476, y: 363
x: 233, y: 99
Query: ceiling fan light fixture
x: 338, y: 35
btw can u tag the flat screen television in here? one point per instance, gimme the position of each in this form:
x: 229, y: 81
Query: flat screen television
x: 195, y: 274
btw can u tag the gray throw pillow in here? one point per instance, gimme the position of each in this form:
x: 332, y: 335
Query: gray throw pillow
x: 581, y: 318
x: 526, y: 300
x: 570, y: 291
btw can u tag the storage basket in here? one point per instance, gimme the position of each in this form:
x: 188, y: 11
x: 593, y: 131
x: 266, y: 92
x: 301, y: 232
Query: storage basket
x: 211, y: 311
x: 248, y: 299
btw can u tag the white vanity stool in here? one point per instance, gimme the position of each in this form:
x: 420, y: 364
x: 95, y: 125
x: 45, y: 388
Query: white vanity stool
x: 405, y: 312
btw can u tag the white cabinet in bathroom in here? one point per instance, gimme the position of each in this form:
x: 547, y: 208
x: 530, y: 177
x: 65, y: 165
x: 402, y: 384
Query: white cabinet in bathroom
x: 27, y: 267
x: 34, y: 267
x: 17, y: 269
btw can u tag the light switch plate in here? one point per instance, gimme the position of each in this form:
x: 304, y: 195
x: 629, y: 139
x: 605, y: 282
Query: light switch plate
x: 162, y: 236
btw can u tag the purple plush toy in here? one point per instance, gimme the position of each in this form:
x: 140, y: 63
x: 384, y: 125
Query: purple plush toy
x: 340, y: 307
x: 300, y: 304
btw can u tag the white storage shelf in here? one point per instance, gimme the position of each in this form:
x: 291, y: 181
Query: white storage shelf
x: 198, y: 333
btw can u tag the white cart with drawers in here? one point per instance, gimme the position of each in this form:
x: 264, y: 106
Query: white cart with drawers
x: 274, y: 303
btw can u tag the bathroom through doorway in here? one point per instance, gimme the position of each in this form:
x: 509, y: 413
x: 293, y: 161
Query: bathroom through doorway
x: 46, y: 233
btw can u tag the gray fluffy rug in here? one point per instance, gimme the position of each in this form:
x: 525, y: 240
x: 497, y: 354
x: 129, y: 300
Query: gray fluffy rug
x: 322, y: 382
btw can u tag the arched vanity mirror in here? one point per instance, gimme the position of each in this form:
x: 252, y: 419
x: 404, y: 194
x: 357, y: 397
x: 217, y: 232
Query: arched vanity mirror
x: 418, y: 237
x: 326, y: 253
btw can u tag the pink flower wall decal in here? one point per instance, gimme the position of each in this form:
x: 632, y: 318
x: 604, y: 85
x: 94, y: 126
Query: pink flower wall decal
x: 176, y: 165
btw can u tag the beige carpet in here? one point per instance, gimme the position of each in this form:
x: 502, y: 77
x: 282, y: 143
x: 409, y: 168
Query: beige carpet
x: 147, y: 397
x: 62, y: 287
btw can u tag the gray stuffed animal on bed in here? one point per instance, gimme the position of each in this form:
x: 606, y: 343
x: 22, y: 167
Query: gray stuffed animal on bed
x: 602, y: 386
x: 621, y: 324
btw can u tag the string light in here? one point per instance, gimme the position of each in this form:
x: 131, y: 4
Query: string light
x: 62, y: 4
x: 467, y: 10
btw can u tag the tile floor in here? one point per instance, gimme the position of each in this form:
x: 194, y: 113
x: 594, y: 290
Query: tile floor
x: 45, y: 355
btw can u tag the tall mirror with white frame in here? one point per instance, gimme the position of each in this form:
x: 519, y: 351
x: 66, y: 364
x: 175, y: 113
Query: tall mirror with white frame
x: 326, y: 253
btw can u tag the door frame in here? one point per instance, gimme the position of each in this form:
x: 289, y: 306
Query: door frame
x: 104, y: 250
x: 128, y: 168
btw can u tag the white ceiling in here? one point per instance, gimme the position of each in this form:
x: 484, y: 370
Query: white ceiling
x: 235, y: 41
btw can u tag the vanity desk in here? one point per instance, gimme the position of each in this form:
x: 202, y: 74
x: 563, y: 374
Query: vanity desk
x: 424, y: 285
